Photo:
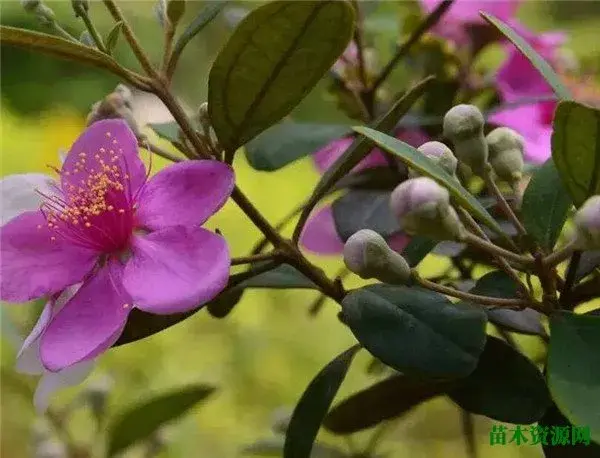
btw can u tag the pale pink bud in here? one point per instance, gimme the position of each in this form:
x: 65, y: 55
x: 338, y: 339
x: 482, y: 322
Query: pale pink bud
x: 587, y: 224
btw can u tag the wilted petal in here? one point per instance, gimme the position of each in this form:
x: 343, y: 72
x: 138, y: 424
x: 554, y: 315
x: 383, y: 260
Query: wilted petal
x: 51, y: 382
x: 19, y: 195
x: 176, y: 269
x: 320, y: 235
x: 35, y: 265
x: 185, y: 194
x: 90, y: 322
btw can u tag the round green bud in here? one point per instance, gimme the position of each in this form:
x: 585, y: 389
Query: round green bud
x: 506, y: 153
x: 463, y: 126
x: 587, y: 224
x: 30, y: 5
x: 439, y: 154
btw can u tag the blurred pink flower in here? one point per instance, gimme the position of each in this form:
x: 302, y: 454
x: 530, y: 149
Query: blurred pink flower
x: 320, y: 235
x: 130, y: 241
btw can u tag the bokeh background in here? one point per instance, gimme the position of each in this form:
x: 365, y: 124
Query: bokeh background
x: 265, y: 353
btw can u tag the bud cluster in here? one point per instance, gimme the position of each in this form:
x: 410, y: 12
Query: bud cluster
x: 117, y: 104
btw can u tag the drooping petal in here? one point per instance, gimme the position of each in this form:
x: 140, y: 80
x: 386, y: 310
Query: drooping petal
x: 184, y: 194
x: 109, y: 142
x: 18, y: 193
x: 320, y: 235
x: 176, y: 269
x: 51, y: 382
x: 90, y: 322
x: 36, y: 261
x: 28, y: 358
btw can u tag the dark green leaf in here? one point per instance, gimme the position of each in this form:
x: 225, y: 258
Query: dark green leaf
x: 576, y: 149
x: 590, y: 260
x: 314, y: 404
x: 139, y: 422
x: 167, y: 130
x: 387, y: 399
x: 358, y: 210
x: 286, y: 142
x: 377, y: 178
x: 417, y: 249
x: 223, y: 304
x: 574, y: 368
x: 142, y: 324
x: 552, y: 419
x: 499, y: 284
x: 415, y: 159
x: 531, y: 54
x: 282, y: 277
x: 416, y: 331
x: 113, y: 37
x: 545, y: 205
x: 275, y: 56
x: 361, y: 147
x: 505, y: 386
x: 206, y: 15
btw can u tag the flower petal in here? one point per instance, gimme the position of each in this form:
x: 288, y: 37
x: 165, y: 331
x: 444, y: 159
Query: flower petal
x: 110, y: 141
x: 185, y: 194
x: 176, y: 269
x: 320, y: 235
x: 398, y: 242
x: 51, y: 382
x: 18, y: 193
x: 28, y: 358
x: 467, y: 11
x: 90, y: 322
x: 34, y: 265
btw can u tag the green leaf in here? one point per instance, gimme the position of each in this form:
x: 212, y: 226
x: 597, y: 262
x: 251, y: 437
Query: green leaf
x: 531, y: 54
x: 142, y: 324
x: 505, y: 386
x: 377, y: 178
x: 167, y: 130
x: 574, y: 368
x: 113, y: 37
x: 545, y: 205
x: 590, y: 260
x: 576, y: 149
x: 64, y: 49
x: 416, y: 331
x: 204, y: 17
x: 289, y: 141
x: 361, y: 147
x: 275, y: 56
x: 362, y: 209
x: 417, y: 249
x: 415, y: 159
x: 385, y: 400
x: 314, y: 404
x: 139, y: 422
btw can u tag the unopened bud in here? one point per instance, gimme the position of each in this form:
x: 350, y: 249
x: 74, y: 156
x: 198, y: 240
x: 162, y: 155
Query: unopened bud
x: 506, y: 153
x: 80, y: 6
x: 439, y: 154
x: 175, y: 11
x: 117, y: 104
x: 30, y: 5
x: 463, y: 126
x: 423, y: 207
x: 367, y: 254
x: 160, y: 10
x: 587, y: 224
x: 86, y: 39
x: 44, y: 14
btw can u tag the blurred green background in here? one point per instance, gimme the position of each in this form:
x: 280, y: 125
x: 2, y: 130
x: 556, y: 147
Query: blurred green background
x: 264, y: 354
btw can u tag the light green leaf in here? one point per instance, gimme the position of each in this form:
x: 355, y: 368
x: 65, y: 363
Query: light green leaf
x: 415, y: 159
x: 576, y: 149
x: 275, y: 56
x: 113, y: 37
x: 205, y: 16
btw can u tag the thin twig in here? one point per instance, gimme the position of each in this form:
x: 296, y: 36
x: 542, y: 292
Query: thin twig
x: 159, y: 151
x: 508, y: 211
x: 565, y: 292
x: 83, y: 14
x: 254, y: 258
x: 495, y: 249
x: 561, y: 255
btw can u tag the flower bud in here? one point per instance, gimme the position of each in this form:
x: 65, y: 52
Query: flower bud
x: 80, y: 6
x: 30, y: 5
x: 117, y: 104
x: 86, y: 39
x: 439, y: 154
x: 587, y: 224
x: 160, y: 9
x: 463, y: 126
x: 506, y: 154
x: 423, y: 207
x: 175, y: 11
x: 44, y: 14
x: 368, y: 255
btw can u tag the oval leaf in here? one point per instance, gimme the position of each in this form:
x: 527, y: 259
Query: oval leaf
x: 574, y: 368
x: 289, y: 141
x: 417, y: 249
x: 576, y: 149
x: 531, y: 54
x: 545, y: 205
x: 273, y: 59
x: 314, y: 404
x: 505, y: 386
x: 415, y: 159
x: 387, y: 399
x: 358, y: 210
x: 415, y: 330
x: 167, y: 130
x: 141, y: 421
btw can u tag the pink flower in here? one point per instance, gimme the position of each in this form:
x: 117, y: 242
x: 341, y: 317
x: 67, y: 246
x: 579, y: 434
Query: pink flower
x: 130, y: 241
x: 320, y: 235
x: 517, y: 79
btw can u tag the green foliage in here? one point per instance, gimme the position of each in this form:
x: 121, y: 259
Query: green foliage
x: 275, y: 56
x: 416, y: 331
x: 417, y: 249
x: 139, y: 422
x: 576, y: 149
x: 204, y: 17
x: 314, y: 404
